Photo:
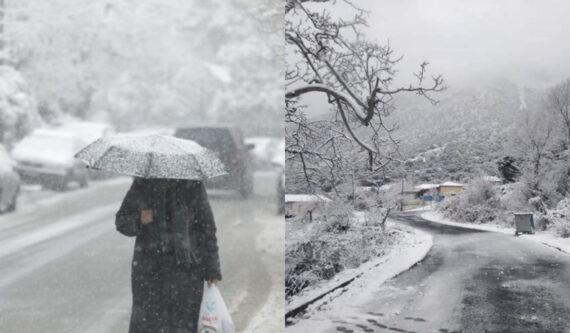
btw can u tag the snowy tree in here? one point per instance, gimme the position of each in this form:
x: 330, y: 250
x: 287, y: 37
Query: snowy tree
x: 509, y: 171
x: 534, y: 142
x: 321, y: 154
x: 150, y: 61
x: 328, y: 54
x: 18, y: 108
x: 559, y: 102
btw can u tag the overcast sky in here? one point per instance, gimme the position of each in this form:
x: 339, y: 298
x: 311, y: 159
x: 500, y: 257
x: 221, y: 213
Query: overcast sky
x: 524, y: 40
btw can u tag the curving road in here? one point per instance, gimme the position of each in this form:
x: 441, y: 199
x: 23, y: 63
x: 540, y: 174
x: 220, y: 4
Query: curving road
x: 64, y: 268
x: 473, y: 281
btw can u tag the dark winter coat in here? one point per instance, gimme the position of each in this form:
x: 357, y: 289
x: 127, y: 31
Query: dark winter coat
x: 166, y: 292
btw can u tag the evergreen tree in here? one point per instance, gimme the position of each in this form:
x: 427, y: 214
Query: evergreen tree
x: 509, y: 171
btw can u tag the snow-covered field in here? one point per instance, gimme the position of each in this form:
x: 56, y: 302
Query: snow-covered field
x: 561, y: 244
x: 345, y: 302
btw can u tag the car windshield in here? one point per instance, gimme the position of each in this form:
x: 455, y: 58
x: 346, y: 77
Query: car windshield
x: 219, y: 140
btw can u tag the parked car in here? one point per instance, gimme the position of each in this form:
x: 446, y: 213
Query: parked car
x: 46, y: 157
x: 88, y: 132
x: 9, y: 183
x: 263, y: 151
x: 232, y: 151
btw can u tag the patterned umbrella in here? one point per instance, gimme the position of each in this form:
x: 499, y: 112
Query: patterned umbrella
x: 152, y: 156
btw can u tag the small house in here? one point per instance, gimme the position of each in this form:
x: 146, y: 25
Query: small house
x: 305, y: 206
x: 449, y: 189
x: 426, y: 192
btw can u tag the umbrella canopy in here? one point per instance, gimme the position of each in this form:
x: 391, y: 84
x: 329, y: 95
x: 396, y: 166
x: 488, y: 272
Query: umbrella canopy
x: 152, y: 156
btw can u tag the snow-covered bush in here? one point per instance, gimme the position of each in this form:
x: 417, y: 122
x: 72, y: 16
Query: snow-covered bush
x: 479, y: 203
x: 560, y: 217
x: 377, y: 216
x: 365, y: 200
x: 18, y: 108
x: 554, y: 184
x: 481, y: 192
x: 338, y: 240
x: 562, y: 230
x: 337, y: 216
x: 300, y: 265
x: 515, y: 197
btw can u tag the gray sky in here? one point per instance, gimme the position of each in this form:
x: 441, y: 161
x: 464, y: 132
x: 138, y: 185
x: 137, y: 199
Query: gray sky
x: 524, y: 40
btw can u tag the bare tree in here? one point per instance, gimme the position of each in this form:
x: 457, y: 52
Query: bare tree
x: 331, y: 56
x: 534, y: 142
x: 319, y: 154
x: 559, y: 101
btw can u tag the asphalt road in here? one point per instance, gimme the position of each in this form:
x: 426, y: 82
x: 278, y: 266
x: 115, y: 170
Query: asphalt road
x: 473, y: 281
x: 64, y: 268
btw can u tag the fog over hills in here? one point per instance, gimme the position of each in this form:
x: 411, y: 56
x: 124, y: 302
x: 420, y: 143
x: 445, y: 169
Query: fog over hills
x: 465, y: 134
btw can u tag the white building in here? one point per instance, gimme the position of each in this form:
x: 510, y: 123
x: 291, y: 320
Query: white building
x: 305, y: 206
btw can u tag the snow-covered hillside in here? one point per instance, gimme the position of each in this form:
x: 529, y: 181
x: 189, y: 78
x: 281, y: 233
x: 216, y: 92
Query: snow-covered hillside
x: 465, y: 134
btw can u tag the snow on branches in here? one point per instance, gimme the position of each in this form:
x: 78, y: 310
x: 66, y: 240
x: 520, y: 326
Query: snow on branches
x: 329, y: 54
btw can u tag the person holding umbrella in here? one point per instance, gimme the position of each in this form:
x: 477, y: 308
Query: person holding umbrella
x: 167, y: 209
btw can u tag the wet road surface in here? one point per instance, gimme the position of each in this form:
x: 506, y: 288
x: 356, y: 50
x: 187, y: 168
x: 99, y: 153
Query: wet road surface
x: 473, y: 281
x: 64, y: 268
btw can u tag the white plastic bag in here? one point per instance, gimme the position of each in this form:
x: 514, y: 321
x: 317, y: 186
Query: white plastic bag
x: 214, y: 315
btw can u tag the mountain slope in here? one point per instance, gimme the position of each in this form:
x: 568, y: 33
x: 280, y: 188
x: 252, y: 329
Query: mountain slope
x: 465, y: 134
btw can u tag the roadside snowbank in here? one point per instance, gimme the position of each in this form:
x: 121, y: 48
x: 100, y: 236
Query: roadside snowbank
x: 270, y: 244
x: 544, y: 238
x: 321, y: 315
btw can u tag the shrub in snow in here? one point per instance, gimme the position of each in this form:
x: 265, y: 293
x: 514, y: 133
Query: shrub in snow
x: 515, y: 197
x: 542, y: 221
x: 312, y: 261
x: 560, y: 217
x: 479, y: 203
x: 343, y: 240
x: 367, y: 198
x: 562, y: 230
x: 18, y: 109
x: 481, y: 192
x: 537, y: 204
x: 553, y: 185
x: 338, y: 216
x: 377, y: 216
x: 299, y: 264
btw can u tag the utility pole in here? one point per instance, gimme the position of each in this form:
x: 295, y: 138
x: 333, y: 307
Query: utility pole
x: 402, y: 196
x: 353, y: 190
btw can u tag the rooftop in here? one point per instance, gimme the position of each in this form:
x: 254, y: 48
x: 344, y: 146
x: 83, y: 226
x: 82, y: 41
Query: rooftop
x: 306, y: 198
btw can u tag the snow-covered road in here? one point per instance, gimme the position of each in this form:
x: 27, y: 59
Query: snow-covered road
x: 472, y: 281
x: 64, y: 268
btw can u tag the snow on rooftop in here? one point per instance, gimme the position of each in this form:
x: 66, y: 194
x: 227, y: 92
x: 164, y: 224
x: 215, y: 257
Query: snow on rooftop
x: 306, y: 198
x: 452, y: 184
x: 426, y: 186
